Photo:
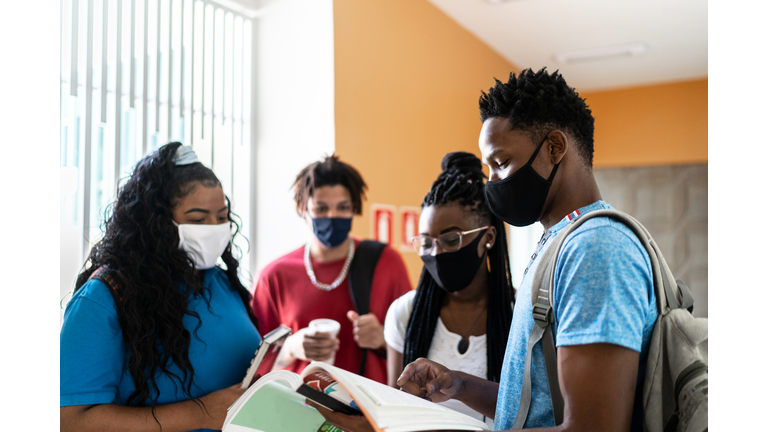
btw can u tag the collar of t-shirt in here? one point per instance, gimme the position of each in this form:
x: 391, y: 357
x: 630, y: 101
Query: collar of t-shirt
x: 554, y: 229
x: 597, y: 205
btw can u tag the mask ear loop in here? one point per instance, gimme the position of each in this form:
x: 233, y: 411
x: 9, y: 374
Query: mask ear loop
x: 536, y: 152
x: 552, y: 176
x: 533, y: 156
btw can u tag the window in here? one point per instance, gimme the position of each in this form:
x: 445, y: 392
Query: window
x: 136, y: 74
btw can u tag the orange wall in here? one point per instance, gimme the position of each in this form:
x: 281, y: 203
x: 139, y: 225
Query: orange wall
x: 408, y: 79
x: 654, y: 125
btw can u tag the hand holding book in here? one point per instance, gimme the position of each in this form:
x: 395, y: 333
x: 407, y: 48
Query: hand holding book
x: 343, y: 421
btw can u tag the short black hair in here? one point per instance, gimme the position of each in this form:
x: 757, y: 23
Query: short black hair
x: 539, y: 102
x: 329, y: 172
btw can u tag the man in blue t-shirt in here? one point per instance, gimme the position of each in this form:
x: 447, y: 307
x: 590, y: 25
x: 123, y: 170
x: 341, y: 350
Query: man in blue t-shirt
x: 537, y: 141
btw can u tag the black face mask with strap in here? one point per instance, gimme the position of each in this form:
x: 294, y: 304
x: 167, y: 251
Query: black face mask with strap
x: 519, y: 198
x: 453, y: 271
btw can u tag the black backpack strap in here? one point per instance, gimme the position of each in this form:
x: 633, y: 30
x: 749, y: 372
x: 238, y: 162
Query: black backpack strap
x: 367, y: 255
x: 108, y: 277
x: 105, y: 275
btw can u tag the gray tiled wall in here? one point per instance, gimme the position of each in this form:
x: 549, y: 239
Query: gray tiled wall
x: 671, y: 201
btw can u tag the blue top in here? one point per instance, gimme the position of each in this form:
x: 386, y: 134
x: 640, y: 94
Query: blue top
x: 603, y: 293
x: 94, y: 356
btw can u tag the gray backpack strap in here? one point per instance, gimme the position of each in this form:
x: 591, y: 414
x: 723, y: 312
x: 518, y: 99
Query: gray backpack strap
x: 541, y: 301
x: 543, y: 317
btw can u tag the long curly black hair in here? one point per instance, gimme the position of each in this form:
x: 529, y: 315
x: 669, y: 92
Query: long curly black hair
x: 140, y: 248
x: 462, y: 181
x: 539, y: 102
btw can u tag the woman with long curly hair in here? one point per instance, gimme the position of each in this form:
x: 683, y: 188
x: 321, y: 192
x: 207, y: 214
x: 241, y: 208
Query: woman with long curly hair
x: 460, y: 313
x: 156, y: 336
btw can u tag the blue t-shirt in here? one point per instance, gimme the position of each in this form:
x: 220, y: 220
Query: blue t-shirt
x: 603, y: 293
x: 94, y: 355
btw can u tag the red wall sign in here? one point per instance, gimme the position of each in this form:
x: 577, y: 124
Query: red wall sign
x: 409, y: 227
x: 383, y: 223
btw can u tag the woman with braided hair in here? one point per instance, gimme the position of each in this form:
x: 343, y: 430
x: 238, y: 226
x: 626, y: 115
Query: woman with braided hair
x: 156, y: 336
x: 461, y: 311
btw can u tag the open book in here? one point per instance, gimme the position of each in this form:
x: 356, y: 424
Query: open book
x: 276, y: 402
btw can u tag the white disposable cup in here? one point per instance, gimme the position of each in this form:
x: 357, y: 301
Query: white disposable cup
x: 325, y: 325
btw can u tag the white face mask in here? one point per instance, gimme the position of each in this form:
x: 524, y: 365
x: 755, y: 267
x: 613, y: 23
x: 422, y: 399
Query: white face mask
x: 204, y: 243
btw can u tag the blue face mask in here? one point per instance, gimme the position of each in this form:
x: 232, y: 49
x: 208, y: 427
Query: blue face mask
x: 331, y: 231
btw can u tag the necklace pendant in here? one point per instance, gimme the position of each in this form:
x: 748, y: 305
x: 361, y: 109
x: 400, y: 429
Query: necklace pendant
x: 463, y: 346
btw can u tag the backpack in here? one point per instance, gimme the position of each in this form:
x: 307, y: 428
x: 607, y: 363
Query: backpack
x: 676, y: 381
x: 361, y: 271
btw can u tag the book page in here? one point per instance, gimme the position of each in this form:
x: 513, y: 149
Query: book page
x: 391, y: 409
x: 287, y: 378
x: 379, y: 394
x: 276, y: 407
x: 322, y: 381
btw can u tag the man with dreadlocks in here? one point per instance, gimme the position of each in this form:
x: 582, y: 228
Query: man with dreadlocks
x: 313, y: 281
x: 537, y: 141
x: 460, y: 313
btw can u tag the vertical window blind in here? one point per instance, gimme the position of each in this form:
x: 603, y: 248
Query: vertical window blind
x: 136, y: 74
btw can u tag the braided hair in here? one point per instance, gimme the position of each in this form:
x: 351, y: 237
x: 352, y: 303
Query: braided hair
x: 461, y: 181
x: 140, y: 248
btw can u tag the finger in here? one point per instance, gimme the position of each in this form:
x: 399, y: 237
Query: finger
x: 365, y: 332
x: 352, y: 316
x: 318, y: 336
x: 322, y: 351
x: 368, y: 319
x: 318, y: 357
x: 412, y: 388
x: 410, y: 371
x: 342, y: 421
x: 443, y: 383
x: 325, y: 412
x: 328, y: 344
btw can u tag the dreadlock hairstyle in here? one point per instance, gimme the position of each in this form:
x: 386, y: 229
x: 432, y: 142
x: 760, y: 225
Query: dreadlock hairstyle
x: 462, y: 182
x: 329, y: 172
x: 140, y: 248
x: 538, y: 102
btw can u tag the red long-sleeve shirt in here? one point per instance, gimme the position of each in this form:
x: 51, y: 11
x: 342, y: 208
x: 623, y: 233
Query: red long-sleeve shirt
x: 284, y: 294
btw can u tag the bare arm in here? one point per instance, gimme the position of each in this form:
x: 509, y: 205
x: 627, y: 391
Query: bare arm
x: 180, y: 416
x: 592, y: 401
x: 394, y: 366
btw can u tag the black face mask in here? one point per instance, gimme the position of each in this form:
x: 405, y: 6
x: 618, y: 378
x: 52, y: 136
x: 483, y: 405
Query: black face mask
x: 519, y: 198
x: 331, y: 231
x: 453, y: 271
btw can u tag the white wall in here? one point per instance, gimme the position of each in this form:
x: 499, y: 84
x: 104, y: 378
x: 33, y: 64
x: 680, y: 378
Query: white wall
x: 293, y: 124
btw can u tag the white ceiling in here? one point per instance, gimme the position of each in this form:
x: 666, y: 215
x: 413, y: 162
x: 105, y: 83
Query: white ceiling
x: 529, y: 33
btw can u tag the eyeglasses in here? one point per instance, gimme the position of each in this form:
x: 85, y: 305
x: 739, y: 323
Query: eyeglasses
x: 449, y: 242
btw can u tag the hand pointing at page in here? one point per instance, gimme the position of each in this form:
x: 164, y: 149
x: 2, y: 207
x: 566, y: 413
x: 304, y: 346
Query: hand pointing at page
x: 430, y: 380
